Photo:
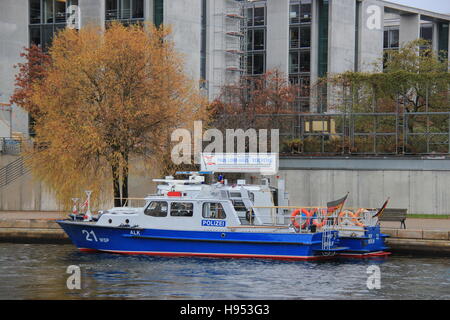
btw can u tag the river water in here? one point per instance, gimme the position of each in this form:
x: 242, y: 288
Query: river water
x: 39, y: 271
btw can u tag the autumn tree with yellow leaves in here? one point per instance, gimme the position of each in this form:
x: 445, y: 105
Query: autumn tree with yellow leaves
x: 107, y: 96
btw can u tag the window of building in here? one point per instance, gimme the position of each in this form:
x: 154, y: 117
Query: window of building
x: 305, y: 37
x: 300, y: 37
x: 426, y: 32
x: 111, y: 7
x: 391, y: 38
x: 158, y: 12
x: 259, y: 16
x: 249, y: 16
x: 299, y: 61
x: 300, y: 50
x: 255, y: 64
x: 47, y: 36
x: 300, y: 11
x: 138, y: 9
x: 443, y: 32
x: 305, y: 61
x: 35, y: 35
x: 294, y: 13
x: 157, y: 209
x: 306, y: 10
x: 48, y: 11
x: 294, y: 62
x: 181, y: 209
x: 323, y: 7
x: 213, y: 210
x: 203, y: 42
x: 60, y: 11
x: 46, y: 18
x: 294, y: 37
x: 256, y: 38
x: 35, y: 11
x: 256, y: 15
x: 127, y: 11
x: 358, y: 11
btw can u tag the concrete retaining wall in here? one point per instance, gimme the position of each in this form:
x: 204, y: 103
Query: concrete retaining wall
x: 44, y: 231
x: 29, y: 194
x: 419, y: 185
x: 422, y: 186
x: 429, y: 242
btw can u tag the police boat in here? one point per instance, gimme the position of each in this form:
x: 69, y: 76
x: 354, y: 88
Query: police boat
x: 187, y: 217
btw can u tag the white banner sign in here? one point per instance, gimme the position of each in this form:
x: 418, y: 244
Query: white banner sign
x: 263, y: 163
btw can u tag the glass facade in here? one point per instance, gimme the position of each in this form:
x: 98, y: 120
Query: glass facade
x: 443, y: 31
x: 358, y: 11
x: 391, y: 41
x: 256, y: 39
x: 426, y: 32
x: 125, y: 11
x: 391, y: 38
x: 46, y: 18
x: 300, y: 50
x: 158, y: 12
x: 323, y: 37
x: 203, y: 42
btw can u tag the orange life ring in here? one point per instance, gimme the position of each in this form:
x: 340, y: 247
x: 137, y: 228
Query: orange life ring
x: 354, y: 217
x: 296, y: 213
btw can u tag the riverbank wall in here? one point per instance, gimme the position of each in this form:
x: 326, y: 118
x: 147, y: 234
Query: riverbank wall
x: 430, y: 242
x: 32, y: 231
x: 427, y: 242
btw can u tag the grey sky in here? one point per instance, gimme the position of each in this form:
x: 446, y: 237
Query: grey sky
x: 442, y: 6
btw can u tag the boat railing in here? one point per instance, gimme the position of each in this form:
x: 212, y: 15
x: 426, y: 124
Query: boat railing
x: 346, y: 218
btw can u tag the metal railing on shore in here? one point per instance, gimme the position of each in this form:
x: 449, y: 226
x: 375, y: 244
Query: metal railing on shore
x: 13, y: 171
x: 11, y: 146
x: 378, y: 133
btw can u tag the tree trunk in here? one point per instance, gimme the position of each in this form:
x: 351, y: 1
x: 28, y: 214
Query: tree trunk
x: 116, y: 186
x: 125, y: 178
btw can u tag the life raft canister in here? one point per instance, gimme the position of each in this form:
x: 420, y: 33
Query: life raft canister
x: 303, y: 212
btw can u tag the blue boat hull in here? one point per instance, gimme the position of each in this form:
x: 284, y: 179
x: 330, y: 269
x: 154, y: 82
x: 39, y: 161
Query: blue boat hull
x: 90, y: 237
x: 372, y: 244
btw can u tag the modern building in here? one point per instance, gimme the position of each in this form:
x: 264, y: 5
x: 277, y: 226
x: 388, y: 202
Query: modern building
x: 224, y: 39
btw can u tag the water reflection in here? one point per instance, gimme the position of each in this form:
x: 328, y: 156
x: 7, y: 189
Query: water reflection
x: 39, y: 272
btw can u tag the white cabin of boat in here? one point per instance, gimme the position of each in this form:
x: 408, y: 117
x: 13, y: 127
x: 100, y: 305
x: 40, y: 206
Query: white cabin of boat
x: 193, y: 205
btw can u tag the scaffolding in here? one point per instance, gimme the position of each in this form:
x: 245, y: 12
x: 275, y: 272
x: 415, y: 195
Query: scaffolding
x: 230, y: 40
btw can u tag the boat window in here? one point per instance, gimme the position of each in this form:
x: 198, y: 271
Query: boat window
x: 157, y: 209
x: 213, y: 210
x: 181, y: 209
